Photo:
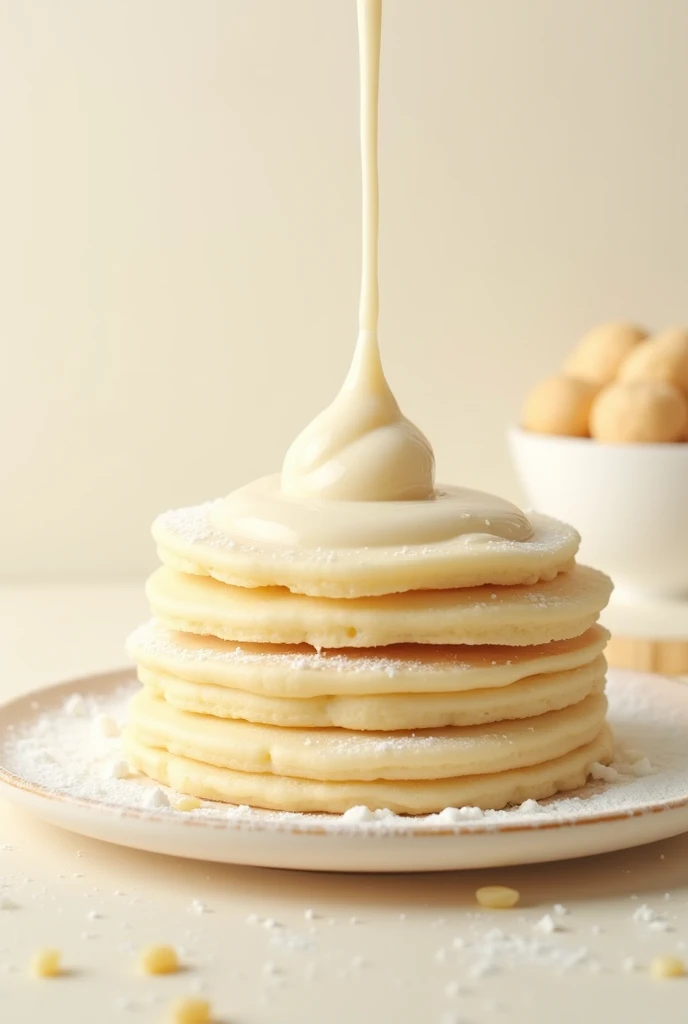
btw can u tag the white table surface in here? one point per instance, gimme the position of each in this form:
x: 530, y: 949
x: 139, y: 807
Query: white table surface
x: 370, y: 955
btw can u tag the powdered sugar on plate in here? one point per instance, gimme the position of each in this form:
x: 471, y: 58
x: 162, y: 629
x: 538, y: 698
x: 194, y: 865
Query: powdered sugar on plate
x: 57, y: 746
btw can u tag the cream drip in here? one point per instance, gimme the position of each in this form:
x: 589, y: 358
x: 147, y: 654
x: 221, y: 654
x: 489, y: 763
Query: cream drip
x: 361, y: 474
x: 362, y: 448
x: 261, y: 512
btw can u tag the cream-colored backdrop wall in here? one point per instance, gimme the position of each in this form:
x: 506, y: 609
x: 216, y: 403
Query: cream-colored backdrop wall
x: 179, y: 240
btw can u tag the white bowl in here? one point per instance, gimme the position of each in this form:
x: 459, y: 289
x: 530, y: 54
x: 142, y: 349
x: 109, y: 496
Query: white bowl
x: 629, y: 503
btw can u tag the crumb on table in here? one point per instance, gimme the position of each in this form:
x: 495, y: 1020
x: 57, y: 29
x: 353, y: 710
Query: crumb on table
x: 190, y: 1010
x: 497, y: 897
x: 46, y: 963
x: 667, y: 967
x: 159, y: 960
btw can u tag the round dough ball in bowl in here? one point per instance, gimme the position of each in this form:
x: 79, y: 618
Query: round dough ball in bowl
x: 600, y: 353
x: 663, y: 357
x: 629, y: 502
x: 559, y: 405
x: 639, y: 412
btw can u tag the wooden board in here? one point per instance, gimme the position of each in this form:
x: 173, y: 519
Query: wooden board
x: 666, y: 657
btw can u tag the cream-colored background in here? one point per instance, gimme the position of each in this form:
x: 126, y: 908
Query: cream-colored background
x: 179, y: 242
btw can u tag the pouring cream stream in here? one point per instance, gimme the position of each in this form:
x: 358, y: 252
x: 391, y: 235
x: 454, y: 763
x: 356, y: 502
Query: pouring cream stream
x: 361, y: 474
x: 362, y: 448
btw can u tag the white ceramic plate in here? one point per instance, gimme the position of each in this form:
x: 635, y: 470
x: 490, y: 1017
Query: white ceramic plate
x: 649, y: 714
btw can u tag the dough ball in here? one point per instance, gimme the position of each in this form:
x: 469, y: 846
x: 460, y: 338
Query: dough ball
x: 599, y: 354
x: 559, y: 405
x: 642, y: 411
x: 663, y: 357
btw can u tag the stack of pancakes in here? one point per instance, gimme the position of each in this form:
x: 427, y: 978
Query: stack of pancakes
x: 318, y: 692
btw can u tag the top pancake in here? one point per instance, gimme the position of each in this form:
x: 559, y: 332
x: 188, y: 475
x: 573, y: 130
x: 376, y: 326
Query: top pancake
x: 189, y: 542
x: 555, y: 610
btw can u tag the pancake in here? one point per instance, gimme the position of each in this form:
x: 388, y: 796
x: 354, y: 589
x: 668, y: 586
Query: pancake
x: 339, y: 755
x: 300, y: 671
x: 391, y: 712
x: 281, y: 793
x: 521, y: 616
x: 189, y: 541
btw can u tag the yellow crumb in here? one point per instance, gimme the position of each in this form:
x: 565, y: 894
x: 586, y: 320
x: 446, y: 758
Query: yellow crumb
x: 667, y: 967
x: 45, y: 963
x: 497, y: 897
x: 191, y: 1011
x: 159, y: 960
x: 187, y: 803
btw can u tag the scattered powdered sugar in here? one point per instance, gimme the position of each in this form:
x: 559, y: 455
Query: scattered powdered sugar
x: 156, y: 797
x: 193, y: 525
x: 75, y: 706
x: 59, y: 748
x: 118, y: 769
x: 384, y: 814
x: 291, y: 941
x: 642, y: 768
x: 237, y: 809
x: 655, y: 921
x: 358, y: 814
x: 484, y: 953
x: 530, y: 807
x: 661, y: 925
x: 645, y: 914
x: 106, y: 725
x: 604, y: 773
x: 456, y: 815
x: 450, y: 815
x: 547, y: 924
